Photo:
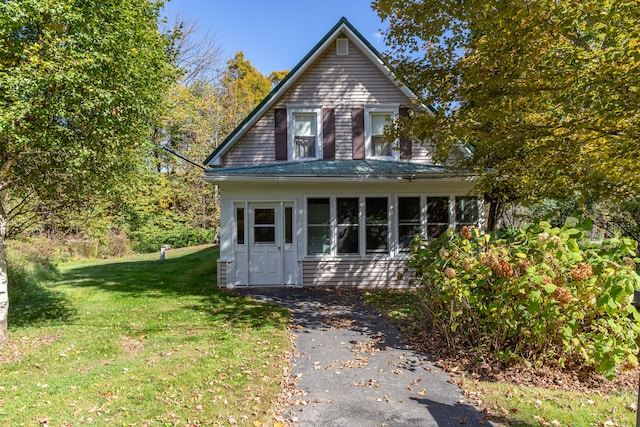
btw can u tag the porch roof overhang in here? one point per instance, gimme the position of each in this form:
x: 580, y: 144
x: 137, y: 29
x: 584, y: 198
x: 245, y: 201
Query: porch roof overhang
x: 335, y: 171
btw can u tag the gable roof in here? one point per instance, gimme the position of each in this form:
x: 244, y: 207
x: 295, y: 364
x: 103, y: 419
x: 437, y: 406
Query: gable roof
x: 333, y: 170
x: 343, y: 26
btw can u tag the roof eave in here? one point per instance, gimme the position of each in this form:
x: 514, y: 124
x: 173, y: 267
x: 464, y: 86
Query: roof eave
x: 335, y: 178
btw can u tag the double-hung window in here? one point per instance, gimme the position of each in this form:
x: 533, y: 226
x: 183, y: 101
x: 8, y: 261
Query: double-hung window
x: 438, y: 218
x: 318, y: 226
x: 305, y: 133
x: 466, y: 211
x: 409, y: 220
x: 377, y: 225
x: 377, y: 146
x: 348, y: 216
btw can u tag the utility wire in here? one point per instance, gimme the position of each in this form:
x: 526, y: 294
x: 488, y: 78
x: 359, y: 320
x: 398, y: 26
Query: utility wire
x: 168, y: 150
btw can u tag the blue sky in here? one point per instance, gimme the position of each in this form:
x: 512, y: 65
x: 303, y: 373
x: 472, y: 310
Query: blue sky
x: 275, y: 34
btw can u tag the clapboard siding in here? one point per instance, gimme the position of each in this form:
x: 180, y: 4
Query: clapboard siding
x: 343, y: 81
x: 256, y: 147
x: 332, y: 81
x: 367, y: 274
x: 421, y: 153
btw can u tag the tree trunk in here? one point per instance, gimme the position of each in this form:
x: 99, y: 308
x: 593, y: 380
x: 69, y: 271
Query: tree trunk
x: 494, y: 214
x: 4, y: 281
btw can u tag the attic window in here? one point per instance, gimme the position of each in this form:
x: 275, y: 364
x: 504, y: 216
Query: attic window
x: 342, y: 47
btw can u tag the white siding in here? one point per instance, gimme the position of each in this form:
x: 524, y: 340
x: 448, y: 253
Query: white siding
x: 368, y: 274
x: 363, y: 272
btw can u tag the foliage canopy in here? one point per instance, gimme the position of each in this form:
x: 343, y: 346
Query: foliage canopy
x: 81, y: 84
x: 546, y: 92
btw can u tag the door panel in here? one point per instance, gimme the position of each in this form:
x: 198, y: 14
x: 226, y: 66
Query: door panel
x: 265, y: 248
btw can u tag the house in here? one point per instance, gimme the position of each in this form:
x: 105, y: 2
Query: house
x: 312, y: 194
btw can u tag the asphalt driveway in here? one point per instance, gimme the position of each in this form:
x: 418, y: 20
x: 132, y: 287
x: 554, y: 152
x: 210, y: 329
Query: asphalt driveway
x: 353, y: 369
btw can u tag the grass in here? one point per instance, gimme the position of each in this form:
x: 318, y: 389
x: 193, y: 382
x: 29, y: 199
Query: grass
x: 521, y: 405
x: 141, y: 342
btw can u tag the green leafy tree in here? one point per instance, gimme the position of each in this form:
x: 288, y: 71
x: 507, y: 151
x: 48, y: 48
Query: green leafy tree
x: 547, y: 92
x: 80, y: 86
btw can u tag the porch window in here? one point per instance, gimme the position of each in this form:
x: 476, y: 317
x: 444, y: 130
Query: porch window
x: 408, y: 220
x: 348, y: 216
x: 466, y: 211
x: 318, y: 226
x: 264, y: 226
x: 288, y: 225
x: 437, y: 216
x: 305, y: 133
x: 377, y: 227
x: 240, y: 226
x: 361, y: 225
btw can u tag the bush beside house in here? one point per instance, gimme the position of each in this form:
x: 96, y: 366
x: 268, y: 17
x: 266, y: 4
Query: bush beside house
x: 544, y: 295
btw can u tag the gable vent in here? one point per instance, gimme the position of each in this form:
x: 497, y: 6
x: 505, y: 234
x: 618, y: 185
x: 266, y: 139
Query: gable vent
x: 342, y: 47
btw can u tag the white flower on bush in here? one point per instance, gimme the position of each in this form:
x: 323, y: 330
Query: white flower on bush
x: 543, y: 237
x: 571, y: 222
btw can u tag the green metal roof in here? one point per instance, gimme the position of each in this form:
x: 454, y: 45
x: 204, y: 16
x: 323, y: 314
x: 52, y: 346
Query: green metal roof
x: 336, y: 169
x: 292, y: 75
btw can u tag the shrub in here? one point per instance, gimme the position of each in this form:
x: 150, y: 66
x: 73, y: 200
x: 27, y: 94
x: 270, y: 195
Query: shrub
x: 545, y: 295
x: 31, y: 300
x: 149, y: 238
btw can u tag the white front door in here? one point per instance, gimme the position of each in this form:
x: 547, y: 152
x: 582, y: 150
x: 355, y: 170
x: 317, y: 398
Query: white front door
x: 265, y: 244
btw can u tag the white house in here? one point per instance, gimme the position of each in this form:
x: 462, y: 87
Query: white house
x: 311, y: 193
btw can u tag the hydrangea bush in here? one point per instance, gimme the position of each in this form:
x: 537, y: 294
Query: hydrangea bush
x: 545, y: 296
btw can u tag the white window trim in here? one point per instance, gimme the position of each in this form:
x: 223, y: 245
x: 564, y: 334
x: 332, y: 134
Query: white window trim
x: 291, y: 149
x: 393, y: 109
x: 393, y: 249
x: 395, y: 208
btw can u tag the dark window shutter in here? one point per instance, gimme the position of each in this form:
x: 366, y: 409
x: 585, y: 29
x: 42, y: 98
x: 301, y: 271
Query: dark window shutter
x: 280, y: 116
x: 328, y: 133
x: 405, y: 143
x: 357, y: 122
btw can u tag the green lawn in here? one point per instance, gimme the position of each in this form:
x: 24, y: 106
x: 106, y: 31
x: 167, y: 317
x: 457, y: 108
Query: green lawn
x: 141, y: 342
